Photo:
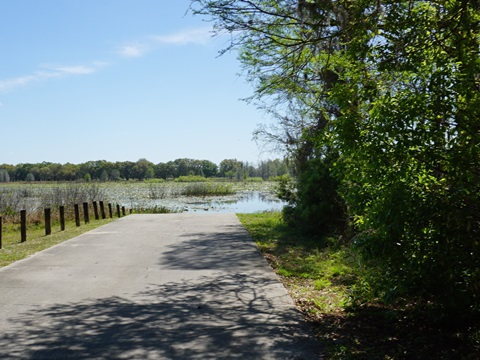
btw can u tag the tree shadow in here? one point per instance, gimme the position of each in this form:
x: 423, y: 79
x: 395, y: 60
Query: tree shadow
x: 222, y: 302
x: 213, y: 317
x: 231, y: 249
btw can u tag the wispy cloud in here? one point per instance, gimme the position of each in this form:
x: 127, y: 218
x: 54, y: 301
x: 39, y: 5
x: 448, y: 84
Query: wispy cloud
x: 8, y: 85
x: 196, y: 36
x: 76, y: 69
x: 133, y: 50
x: 199, y: 36
x: 48, y: 72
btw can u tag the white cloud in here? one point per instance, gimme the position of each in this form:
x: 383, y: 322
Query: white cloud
x: 200, y: 36
x: 133, y: 50
x: 75, y: 69
x: 9, y: 85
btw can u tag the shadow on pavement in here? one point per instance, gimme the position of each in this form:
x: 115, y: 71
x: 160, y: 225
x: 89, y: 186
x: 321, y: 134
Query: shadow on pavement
x: 206, y: 319
x: 229, y: 250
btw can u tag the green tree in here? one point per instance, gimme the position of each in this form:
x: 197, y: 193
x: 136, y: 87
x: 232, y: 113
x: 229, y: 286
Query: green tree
x: 377, y: 101
x: 208, y: 168
x: 115, y: 175
x: 4, y: 176
x: 104, y: 176
x: 229, y: 168
x: 30, y: 177
x: 87, y: 177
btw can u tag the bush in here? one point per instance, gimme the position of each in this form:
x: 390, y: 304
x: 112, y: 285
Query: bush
x: 207, y: 189
x: 314, y: 205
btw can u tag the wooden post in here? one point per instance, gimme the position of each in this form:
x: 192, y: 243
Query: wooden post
x: 48, y: 222
x: 95, y: 210
x: 23, y: 225
x: 123, y: 210
x: 110, y: 212
x: 118, y: 210
x: 77, y: 215
x: 0, y: 233
x: 86, y: 217
x: 62, y: 218
x: 102, y: 209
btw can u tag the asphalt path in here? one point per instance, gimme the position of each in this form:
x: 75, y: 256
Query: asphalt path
x: 173, y: 286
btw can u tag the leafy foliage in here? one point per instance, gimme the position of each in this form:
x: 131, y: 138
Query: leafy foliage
x: 377, y: 104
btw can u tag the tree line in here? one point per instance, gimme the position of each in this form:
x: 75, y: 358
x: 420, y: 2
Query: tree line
x: 377, y: 103
x: 142, y: 169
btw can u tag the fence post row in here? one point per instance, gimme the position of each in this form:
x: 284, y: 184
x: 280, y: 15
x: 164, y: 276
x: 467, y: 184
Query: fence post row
x: 48, y: 218
x: 48, y: 222
x: 62, y: 218
x: 95, y: 210
x: 86, y: 217
x: 23, y: 225
x: 102, y: 209
x: 77, y: 215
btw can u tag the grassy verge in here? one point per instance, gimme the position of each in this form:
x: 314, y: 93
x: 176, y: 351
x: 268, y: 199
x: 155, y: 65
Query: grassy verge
x: 322, y: 280
x: 13, y: 250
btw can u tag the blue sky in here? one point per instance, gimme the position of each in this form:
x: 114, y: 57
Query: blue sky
x: 119, y: 80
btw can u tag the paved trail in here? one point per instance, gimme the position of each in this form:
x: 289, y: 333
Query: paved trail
x: 176, y: 286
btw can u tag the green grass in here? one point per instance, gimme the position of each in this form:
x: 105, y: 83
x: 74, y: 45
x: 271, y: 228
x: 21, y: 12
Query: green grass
x: 322, y: 280
x: 318, y: 277
x: 13, y: 250
x: 207, y: 189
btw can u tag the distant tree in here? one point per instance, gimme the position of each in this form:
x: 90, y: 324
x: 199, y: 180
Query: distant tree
x: 22, y: 171
x: 87, y: 177
x: 150, y: 173
x: 230, y: 174
x: 4, y: 177
x: 229, y: 166
x: 140, y: 168
x: 12, y: 170
x: 127, y: 171
x: 30, y: 177
x: 104, y: 176
x: 115, y: 175
x: 161, y: 171
x: 209, y: 168
x: 69, y: 172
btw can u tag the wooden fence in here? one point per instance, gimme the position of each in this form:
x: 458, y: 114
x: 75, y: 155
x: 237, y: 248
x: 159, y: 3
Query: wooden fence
x: 98, y: 211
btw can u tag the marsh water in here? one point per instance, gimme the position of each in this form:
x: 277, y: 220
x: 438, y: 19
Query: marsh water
x: 246, y: 202
x: 244, y: 197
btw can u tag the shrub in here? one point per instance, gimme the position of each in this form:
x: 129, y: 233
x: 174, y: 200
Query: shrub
x: 207, y: 189
x: 191, y: 178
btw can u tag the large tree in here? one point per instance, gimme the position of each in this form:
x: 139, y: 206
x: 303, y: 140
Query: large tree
x: 379, y: 103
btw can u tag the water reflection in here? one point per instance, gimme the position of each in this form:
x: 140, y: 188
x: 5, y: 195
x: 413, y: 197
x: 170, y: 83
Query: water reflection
x: 247, y: 202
